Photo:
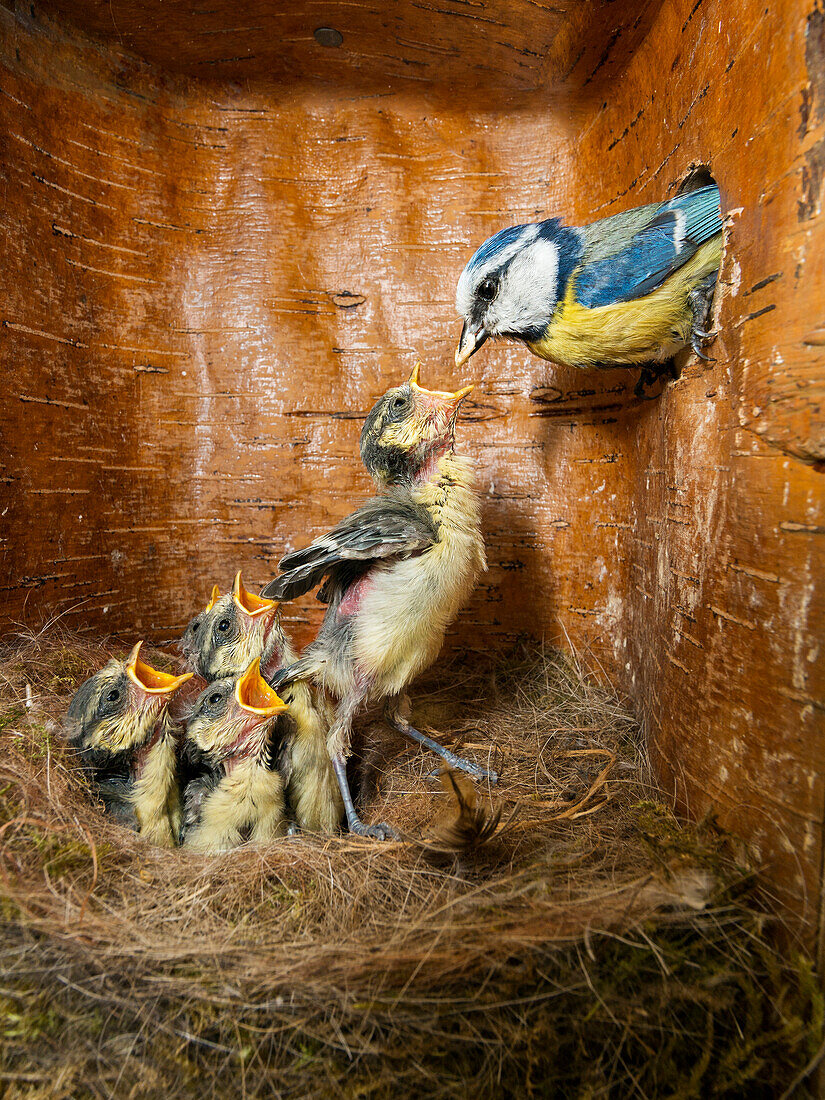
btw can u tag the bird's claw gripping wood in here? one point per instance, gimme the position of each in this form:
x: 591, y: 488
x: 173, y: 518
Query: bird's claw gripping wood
x: 700, y: 300
x: 696, y: 348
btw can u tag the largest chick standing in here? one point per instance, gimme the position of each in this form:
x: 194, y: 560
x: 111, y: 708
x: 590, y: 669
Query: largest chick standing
x: 398, y: 570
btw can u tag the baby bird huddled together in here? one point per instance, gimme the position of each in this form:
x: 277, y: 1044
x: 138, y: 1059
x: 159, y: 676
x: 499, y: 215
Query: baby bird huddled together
x: 251, y: 742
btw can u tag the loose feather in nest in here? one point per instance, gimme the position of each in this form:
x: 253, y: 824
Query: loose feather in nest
x: 465, y: 825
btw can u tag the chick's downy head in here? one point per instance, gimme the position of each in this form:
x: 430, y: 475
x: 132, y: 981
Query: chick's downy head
x: 235, y: 630
x: 234, y: 717
x: 406, y: 427
x: 512, y: 284
x: 117, y: 709
x: 188, y: 644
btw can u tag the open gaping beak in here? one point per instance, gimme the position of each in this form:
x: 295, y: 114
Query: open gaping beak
x: 248, y: 602
x: 453, y: 400
x: 213, y: 599
x: 472, y: 337
x: 254, y: 695
x: 151, y: 681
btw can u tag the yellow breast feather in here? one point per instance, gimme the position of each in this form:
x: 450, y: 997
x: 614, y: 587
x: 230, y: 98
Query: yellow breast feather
x: 313, y: 788
x: 654, y: 327
x: 250, y: 798
x: 156, y: 796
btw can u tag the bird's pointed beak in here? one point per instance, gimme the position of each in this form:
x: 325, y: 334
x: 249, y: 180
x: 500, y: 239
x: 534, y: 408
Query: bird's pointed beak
x: 151, y: 681
x: 442, y: 396
x: 251, y: 605
x: 254, y: 695
x: 213, y: 599
x: 472, y: 337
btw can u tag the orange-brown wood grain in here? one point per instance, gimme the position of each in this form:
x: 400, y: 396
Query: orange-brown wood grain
x: 207, y: 283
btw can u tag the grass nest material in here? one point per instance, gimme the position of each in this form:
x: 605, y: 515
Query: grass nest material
x: 591, y: 947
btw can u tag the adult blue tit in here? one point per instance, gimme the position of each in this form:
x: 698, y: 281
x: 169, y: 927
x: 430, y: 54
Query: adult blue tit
x: 632, y: 288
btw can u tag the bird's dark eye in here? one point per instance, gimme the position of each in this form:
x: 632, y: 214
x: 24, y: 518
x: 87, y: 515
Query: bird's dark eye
x: 214, y: 699
x: 224, y: 625
x: 195, y: 627
x: 398, y: 402
x: 113, y: 695
x: 487, y: 289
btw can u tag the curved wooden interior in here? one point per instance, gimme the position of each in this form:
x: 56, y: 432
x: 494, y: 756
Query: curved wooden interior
x: 221, y: 241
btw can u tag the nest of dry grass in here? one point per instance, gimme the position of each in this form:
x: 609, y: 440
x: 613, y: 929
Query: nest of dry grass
x: 592, y: 948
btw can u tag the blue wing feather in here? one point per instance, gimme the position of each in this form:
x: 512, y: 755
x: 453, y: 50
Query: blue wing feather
x: 668, y: 241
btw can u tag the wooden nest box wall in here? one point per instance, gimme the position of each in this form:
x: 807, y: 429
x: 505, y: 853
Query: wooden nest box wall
x: 224, y: 235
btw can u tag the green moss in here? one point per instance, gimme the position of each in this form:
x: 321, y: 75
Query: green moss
x: 38, y: 743
x: 68, y: 668
x: 11, y: 716
x: 27, y: 1020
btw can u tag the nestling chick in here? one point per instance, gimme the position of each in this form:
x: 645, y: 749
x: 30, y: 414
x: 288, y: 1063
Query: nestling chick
x: 236, y: 728
x: 236, y: 629
x: 632, y: 288
x: 119, y: 722
x: 231, y: 632
x: 397, y: 571
x: 191, y: 636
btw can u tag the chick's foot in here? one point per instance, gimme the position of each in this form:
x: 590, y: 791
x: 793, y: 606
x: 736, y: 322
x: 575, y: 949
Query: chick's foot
x: 397, y: 721
x: 381, y: 831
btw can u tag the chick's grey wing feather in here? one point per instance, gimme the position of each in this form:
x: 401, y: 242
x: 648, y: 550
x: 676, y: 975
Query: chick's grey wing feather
x: 633, y: 258
x: 115, y: 794
x: 385, y: 527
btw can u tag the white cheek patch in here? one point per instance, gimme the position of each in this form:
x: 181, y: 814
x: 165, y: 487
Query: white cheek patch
x: 472, y: 275
x: 529, y: 290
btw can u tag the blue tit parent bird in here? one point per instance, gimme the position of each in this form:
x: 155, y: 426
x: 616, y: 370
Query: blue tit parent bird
x: 395, y: 573
x: 631, y: 289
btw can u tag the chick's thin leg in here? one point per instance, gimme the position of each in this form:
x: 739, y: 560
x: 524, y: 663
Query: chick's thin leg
x: 338, y: 743
x: 396, y: 711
